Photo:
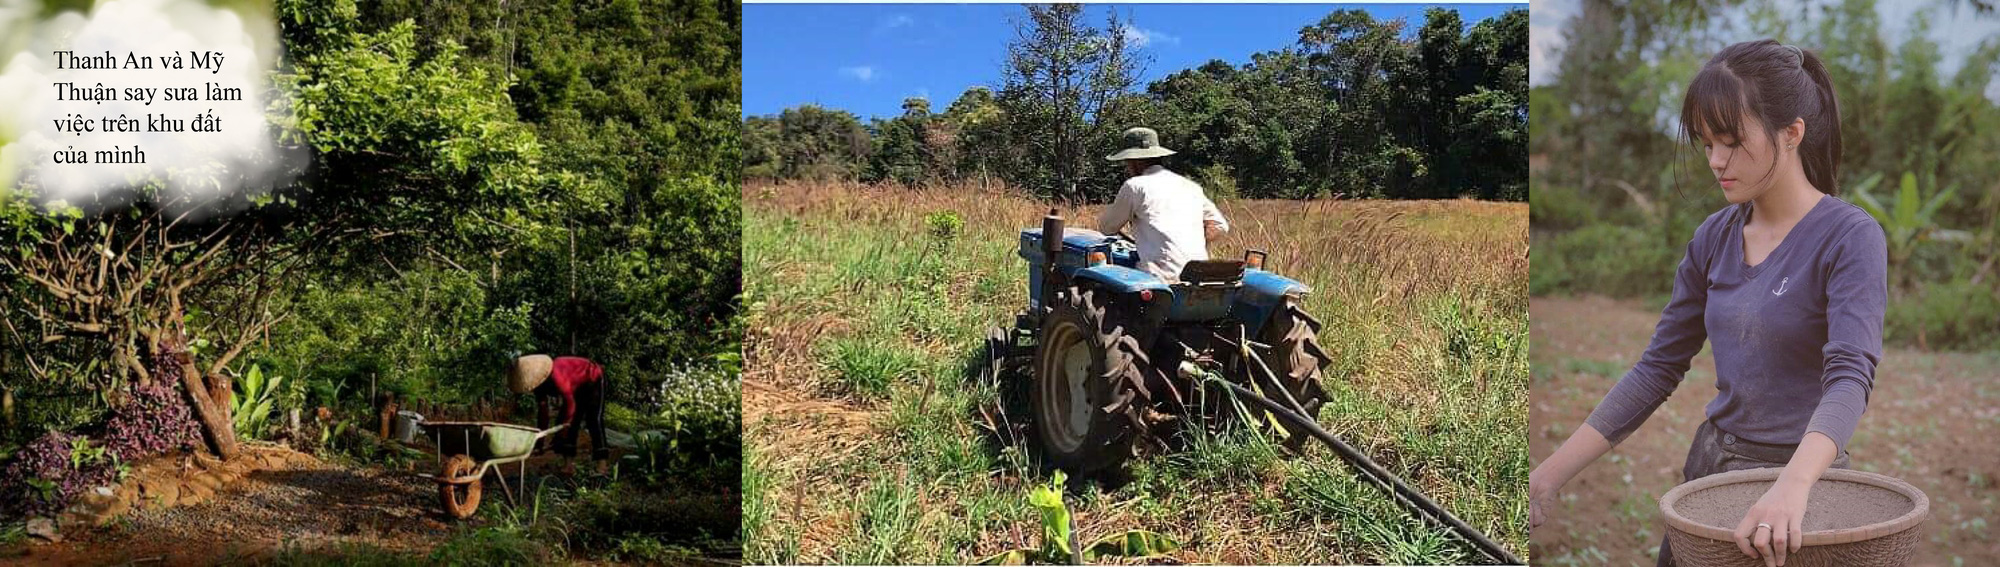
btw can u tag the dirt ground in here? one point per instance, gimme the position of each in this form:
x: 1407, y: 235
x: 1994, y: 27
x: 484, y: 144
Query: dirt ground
x: 1931, y: 420
x: 313, y: 507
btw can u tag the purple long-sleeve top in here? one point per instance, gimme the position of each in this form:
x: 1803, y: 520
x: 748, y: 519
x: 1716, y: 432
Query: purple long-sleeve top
x: 1796, y: 337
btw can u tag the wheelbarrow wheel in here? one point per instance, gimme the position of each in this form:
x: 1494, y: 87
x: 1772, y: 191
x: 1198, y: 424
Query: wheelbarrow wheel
x: 459, y: 500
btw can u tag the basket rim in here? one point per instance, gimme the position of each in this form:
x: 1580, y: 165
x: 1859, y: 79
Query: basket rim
x: 1908, y: 520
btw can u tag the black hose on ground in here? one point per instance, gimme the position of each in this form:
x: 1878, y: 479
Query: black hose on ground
x: 1395, y: 485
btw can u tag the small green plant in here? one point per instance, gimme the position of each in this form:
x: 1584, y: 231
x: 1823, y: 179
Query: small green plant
x: 250, y: 405
x: 81, y: 454
x: 943, y: 227
x: 1059, y: 535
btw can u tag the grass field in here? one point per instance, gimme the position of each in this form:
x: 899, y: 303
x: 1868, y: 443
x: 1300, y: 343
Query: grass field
x: 860, y: 411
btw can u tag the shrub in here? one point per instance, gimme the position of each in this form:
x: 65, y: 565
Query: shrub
x: 1605, y: 259
x: 1216, y: 181
x: 1558, y: 207
x: 943, y: 226
x: 1950, y: 315
x: 50, y: 472
x: 696, y: 433
x: 154, y: 420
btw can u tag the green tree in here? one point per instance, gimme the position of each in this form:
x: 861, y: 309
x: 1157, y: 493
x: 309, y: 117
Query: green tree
x: 1059, y: 73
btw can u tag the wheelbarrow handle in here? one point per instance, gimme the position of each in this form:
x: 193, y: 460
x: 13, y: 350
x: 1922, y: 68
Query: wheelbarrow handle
x: 550, y: 431
x: 467, y: 479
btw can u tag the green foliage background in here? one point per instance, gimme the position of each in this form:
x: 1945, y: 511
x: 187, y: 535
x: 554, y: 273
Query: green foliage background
x: 1357, y: 106
x: 1616, y: 195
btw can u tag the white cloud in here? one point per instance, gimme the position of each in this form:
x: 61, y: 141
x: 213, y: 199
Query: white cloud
x: 863, y: 73
x: 194, y: 165
x: 892, y: 22
x: 1141, y: 37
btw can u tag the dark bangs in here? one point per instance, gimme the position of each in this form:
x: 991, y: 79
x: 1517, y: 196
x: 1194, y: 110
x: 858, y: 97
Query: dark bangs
x: 1715, y: 103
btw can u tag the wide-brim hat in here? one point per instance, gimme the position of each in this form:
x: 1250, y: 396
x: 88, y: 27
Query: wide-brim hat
x: 528, y: 372
x: 1140, y: 143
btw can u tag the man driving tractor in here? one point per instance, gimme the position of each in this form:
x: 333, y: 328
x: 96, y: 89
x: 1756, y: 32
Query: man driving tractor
x: 1172, y: 219
x: 579, y: 383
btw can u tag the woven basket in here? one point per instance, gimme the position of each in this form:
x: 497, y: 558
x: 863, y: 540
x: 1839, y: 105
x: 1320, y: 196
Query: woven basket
x: 1875, y: 527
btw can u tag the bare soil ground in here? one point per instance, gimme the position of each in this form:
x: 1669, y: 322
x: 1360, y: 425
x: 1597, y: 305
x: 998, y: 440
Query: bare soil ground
x: 315, y: 507
x: 1931, y: 421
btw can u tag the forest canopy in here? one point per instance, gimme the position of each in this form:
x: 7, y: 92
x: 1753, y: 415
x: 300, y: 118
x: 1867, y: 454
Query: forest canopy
x: 1358, y: 107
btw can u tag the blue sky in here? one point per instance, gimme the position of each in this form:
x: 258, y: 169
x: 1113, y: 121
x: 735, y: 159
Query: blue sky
x: 866, y: 58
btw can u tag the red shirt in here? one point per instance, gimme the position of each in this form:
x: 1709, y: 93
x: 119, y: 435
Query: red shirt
x: 569, y: 375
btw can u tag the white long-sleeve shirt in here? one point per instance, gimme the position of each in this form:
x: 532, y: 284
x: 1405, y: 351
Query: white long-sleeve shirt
x: 1169, y: 215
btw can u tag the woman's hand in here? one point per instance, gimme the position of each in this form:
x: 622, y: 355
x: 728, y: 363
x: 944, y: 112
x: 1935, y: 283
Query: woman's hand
x: 1584, y: 446
x: 1774, y: 527
x: 1541, y: 500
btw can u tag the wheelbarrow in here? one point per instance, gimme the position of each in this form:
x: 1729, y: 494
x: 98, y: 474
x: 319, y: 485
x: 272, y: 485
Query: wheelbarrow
x: 468, y: 449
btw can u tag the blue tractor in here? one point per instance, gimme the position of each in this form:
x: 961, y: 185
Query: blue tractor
x: 1112, y: 358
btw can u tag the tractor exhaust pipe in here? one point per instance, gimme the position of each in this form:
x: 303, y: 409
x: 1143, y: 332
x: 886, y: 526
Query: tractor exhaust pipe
x: 1052, y: 243
x: 1402, y: 492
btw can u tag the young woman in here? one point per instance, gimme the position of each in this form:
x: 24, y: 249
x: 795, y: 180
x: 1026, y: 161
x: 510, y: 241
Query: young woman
x: 1788, y: 284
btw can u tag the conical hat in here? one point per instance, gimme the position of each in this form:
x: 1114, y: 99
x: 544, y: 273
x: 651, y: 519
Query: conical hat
x: 528, y: 372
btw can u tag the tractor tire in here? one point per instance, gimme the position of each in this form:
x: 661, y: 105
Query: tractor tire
x: 459, y: 500
x: 1088, y: 390
x: 1296, y: 362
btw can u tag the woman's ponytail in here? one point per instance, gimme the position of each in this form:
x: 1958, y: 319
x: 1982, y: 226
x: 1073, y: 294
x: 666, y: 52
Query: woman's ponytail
x: 1821, y: 151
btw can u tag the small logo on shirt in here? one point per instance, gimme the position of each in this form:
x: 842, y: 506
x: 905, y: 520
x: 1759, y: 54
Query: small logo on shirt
x: 1781, y: 286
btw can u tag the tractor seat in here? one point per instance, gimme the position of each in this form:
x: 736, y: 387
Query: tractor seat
x: 1212, y: 272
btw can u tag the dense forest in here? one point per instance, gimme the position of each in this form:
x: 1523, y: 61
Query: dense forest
x: 1357, y: 107
x: 462, y: 183
x: 1617, y: 194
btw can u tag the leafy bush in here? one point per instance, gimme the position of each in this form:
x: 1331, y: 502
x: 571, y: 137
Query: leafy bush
x: 697, y: 428
x: 1216, y: 182
x: 1558, y: 207
x: 943, y: 226
x: 52, y: 471
x: 1951, y: 315
x: 154, y: 420
x: 1604, y: 259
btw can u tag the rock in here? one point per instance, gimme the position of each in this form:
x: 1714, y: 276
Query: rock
x: 117, y: 509
x: 97, y: 507
x: 44, y: 529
